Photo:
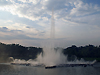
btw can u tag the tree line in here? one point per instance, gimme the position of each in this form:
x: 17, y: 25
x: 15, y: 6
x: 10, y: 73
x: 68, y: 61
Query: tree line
x: 18, y: 52
x: 89, y: 52
x: 21, y: 52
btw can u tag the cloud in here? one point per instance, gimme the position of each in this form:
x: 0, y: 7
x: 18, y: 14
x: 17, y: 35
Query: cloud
x: 84, y: 20
x: 24, y: 1
x: 17, y: 34
x: 27, y: 10
x: 39, y: 9
x: 25, y: 29
x: 5, y: 29
x: 74, y: 19
x: 30, y: 1
x: 82, y: 9
x: 56, y: 4
x: 5, y: 2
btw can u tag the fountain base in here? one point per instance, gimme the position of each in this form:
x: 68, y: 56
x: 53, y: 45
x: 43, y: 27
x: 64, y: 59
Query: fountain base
x: 50, y: 67
x: 68, y: 65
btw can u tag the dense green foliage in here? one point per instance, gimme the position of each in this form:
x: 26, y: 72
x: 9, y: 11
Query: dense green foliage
x: 17, y: 51
x: 88, y: 52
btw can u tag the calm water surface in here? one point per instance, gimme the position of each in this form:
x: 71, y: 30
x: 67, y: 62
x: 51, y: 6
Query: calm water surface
x: 29, y: 70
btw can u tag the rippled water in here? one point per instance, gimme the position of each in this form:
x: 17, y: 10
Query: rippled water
x: 6, y: 69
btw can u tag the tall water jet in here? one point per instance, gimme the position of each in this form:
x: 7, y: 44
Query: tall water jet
x: 50, y: 56
x: 52, y: 34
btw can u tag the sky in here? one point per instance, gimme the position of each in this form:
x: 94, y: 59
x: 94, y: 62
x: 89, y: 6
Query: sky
x: 28, y: 22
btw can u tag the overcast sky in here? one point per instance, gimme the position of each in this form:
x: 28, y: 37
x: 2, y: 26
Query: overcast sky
x: 27, y: 22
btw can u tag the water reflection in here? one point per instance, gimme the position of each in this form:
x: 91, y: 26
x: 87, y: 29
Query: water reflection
x: 28, y: 70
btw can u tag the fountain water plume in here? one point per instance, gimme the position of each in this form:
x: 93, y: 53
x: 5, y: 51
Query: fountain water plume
x: 52, y: 34
x: 52, y: 57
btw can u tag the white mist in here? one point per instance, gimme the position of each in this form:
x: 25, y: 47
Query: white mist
x: 51, y: 56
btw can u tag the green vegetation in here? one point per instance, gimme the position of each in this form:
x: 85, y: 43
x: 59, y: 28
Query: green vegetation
x: 88, y: 52
x: 18, y: 52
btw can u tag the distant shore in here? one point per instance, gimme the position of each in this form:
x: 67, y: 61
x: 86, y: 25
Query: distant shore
x: 88, y: 52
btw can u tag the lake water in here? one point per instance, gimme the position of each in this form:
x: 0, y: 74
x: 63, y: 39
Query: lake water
x: 6, y: 69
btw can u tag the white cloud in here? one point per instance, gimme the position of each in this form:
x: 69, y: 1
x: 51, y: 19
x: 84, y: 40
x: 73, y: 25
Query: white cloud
x: 8, y: 21
x: 74, y: 19
x: 24, y: 1
x: 26, y: 33
x: 32, y: 12
x: 5, y: 2
x: 56, y: 4
x: 23, y: 27
x: 82, y: 9
x: 34, y: 1
x: 39, y: 8
x: 45, y: 18
x: 30, y: 1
